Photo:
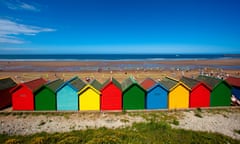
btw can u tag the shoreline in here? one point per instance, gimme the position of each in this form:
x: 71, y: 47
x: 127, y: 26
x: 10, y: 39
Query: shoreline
x: 28, y: 70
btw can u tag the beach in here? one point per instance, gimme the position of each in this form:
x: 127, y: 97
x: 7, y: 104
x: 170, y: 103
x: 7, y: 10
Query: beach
x: 22, y: 71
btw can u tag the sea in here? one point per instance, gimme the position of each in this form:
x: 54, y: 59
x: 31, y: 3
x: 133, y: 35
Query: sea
x: 113, y: 57
x: 103, y: 58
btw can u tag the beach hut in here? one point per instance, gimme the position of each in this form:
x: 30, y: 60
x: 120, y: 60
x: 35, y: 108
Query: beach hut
x: 133, y: 95
x: 67, y: 94
x: 199, y: 93
x: 89, y: 96
x: 45, y: 96
x: 111, y: 95
x: 156, y: 94
x: 220, y: 91
x: 235, y: 83
x: 6, y: 84
x: 23, y: 94
x: 178, y: 93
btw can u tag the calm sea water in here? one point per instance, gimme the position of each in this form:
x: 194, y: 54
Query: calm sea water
x: 114, y: 57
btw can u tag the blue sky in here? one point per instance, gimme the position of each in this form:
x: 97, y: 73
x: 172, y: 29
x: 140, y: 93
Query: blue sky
x: 119, y: 26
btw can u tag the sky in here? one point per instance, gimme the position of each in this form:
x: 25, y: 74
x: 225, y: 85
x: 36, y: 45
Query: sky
x: 119, y: 26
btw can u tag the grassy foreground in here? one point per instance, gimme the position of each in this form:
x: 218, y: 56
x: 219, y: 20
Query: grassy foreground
x: 153, y: 132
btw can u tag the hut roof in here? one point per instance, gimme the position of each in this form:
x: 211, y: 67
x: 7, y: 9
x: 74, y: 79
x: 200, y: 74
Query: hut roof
x: 77, y: 83
x: 96, y: 84
x: 114, y: 81
x: 210, y: 81
x: 189, y: 82
x: 6, y: 83
x: 148, y: 83
x: 128, y: 82
x: 35, y: 84
x: 169, y: 83
x: 54, y: 85
x: 233, y: 81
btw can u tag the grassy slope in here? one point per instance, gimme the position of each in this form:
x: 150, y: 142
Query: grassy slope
x: 140, y: 133
x: 156, y: 129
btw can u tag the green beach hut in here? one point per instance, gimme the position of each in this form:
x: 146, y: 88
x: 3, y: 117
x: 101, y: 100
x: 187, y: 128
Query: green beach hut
x: 133, y: 95
x: 220, y: 91
x: 45, y: 96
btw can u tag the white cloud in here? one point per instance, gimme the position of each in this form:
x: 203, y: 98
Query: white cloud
x: 9, y: 30
x: 18, y: 5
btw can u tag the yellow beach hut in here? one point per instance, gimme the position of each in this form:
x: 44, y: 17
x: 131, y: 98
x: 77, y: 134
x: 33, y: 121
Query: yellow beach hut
x: 89, y: 97
x: 178, y: 93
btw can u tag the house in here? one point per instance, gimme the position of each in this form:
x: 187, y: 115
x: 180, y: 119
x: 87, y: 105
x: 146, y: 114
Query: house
x: 67, y: 94
x: 235, y: 83
x: 199, y: 93
x: 23, y: 94
x: 6, y: 85
x: 133, y: 95
x: 45, y: 96
x: 156, y: 94
x: 178, y: 93
x: 220, y: 91
x: 111, y: 95
x: 89, y: 96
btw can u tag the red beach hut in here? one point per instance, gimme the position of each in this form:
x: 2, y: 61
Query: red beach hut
x: 6, y: 84
x: 111, y: 98
x: 199, y: 94
x: 22, y: 95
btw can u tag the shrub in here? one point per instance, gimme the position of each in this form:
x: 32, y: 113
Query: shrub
x: 70, y: 140
x: 12, y: 141
x: 175, y: 122
x: 39, y: 140
x: 105, y: 140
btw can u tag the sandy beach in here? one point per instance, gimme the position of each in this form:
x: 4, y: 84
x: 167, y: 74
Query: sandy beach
x: 22, y: 71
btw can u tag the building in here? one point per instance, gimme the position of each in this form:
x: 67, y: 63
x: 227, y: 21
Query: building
x: 45, y: 96
x: 199, y: 93
x: 89, y: 96
x: 6, y: 85
x: 235, y: 83
x: 23, y: 94
x: 111, y: 95
x: 178, y: 93
x: 133, y: 95
x: 220, y: 91
x: 67, y: 94
x: 156, y: 94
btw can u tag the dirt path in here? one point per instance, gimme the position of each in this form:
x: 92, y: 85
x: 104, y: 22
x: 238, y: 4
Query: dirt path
x: 225, y: 122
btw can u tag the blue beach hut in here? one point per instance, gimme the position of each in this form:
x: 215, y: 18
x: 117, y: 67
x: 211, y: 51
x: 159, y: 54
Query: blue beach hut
x: 67, y: 94
x: 235, y: 83
x: 156, y: 94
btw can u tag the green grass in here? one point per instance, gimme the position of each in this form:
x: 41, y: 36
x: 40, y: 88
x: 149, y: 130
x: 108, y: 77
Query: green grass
x: 153, y: 132
x: 237, y: 131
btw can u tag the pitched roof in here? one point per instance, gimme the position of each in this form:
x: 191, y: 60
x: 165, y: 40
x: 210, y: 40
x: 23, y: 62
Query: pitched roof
x: 35, y: 84
x: 6, y: 83
x: 169, y: 83
x: 148, y: 83
x: 54, y: 85
x: 77, y: 83
x: 96, y: 84
x: 189, y: 82
x: 210, y: 81
x: 114, y: 81
x: 233, y: 81
x: 128, y: 82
